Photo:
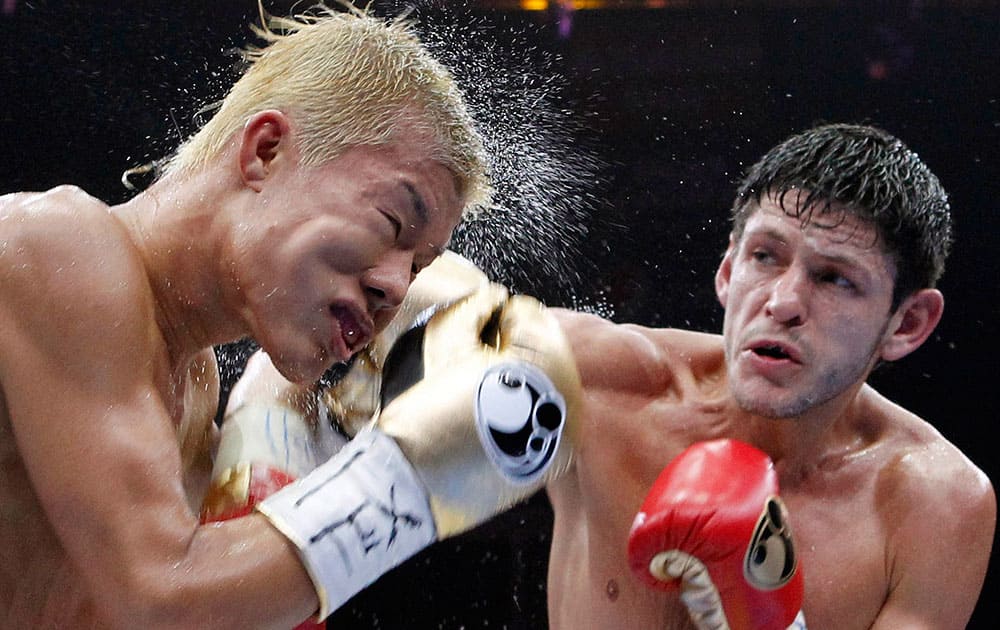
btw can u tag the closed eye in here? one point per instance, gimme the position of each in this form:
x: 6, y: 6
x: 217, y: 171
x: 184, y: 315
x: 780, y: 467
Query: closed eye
x: 397, y: 226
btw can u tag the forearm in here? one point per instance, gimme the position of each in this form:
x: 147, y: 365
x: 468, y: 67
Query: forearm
x: 237, y: 574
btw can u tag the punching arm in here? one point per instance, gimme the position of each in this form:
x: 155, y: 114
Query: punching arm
x: 477, y: 406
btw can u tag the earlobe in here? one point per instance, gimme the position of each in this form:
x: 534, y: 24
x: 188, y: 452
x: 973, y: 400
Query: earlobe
x: 913, y: 323
x: 262, y: 140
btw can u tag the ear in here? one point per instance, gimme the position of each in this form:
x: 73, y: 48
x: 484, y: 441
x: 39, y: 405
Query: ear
x: 264, y: 137
x: 911, y: 325
x: 724, y: 272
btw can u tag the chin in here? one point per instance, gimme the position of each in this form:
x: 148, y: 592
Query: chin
x: 770, y: 406
x: 298, y: 371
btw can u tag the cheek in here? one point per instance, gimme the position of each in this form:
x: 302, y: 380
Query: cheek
x: 345, y: 248
x: 742, y: 298
x: 855, y: 336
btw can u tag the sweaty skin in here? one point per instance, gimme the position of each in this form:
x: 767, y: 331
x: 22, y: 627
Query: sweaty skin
x: 108, y: 384
x: 892, y: 523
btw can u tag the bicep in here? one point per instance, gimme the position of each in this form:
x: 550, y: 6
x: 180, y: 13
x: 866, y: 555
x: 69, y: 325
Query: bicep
x: 102, y: 458
x: 609, y: 356
x: 98, y: 446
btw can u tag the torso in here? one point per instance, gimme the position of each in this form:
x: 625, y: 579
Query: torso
x: 39, y: 586
x: 668, y: 391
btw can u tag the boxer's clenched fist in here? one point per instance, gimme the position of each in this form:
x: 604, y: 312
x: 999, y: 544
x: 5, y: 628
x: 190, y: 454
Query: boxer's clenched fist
x: 353, y: 400
x: 714, y: 527
x: 478, y: 403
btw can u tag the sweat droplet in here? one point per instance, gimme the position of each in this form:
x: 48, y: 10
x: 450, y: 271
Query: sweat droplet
x: 529, y: 238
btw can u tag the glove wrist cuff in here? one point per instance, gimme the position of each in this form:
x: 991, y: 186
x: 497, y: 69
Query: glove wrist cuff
x: 354, y: 518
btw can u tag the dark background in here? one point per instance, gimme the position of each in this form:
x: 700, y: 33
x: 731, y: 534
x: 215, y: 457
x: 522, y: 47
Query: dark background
x: 656, y: 114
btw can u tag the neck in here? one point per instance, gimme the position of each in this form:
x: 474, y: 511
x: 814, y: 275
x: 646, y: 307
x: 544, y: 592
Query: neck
x: 823, y: 438
x: 179, y: 226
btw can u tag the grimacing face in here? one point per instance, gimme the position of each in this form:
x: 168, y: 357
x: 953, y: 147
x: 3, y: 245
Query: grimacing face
x: 807, y: 310
x: 342, y: 245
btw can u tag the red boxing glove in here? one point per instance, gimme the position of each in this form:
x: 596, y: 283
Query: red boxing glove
x: 237, y: 493
x: 714, y: 527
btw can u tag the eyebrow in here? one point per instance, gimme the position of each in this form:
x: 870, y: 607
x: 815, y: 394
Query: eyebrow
x: 420, y: 208
x: 418, y: 203
x: 768, y: 232
x: 839, y: 259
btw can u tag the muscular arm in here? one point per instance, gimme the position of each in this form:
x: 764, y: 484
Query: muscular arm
x: 945, y: 510
x: 621, y: 358
x: 86, y: 380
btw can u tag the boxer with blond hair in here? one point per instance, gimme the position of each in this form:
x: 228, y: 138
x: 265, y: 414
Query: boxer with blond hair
x: 334, y: 171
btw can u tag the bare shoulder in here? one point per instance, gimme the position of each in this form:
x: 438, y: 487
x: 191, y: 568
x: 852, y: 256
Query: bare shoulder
x: 929, y: 487
x: 623, y: 354
x: 924, y: 466
x: 939, y: 510
x: 68, y: 198
x: 52, y: 225
x: 944, y: 492
x: 63, y: 224
x: 68, y: 271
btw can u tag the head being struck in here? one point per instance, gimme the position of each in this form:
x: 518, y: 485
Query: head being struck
x: 347, y: 78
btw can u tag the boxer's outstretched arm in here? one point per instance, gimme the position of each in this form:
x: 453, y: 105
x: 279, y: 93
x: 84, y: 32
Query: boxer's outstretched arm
x: 84, y: 377
x: 944, y: 510
x: 477, y: 412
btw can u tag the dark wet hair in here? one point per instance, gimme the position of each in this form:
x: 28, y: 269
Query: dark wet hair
x: 870, y: 174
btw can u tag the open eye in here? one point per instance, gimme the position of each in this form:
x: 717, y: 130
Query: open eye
x: 837, y: 280
x: 761, y: 255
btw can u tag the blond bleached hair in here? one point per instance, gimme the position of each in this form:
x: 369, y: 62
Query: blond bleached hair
x: 347, y: 78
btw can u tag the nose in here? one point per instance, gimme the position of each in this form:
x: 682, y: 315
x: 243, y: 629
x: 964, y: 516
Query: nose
x: 387, y: 282
x: 787, y: 302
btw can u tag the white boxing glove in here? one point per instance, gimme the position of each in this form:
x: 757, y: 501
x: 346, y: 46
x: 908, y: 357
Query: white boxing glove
x: 353, y: 400
x: 477, y: 413
x: 274, y: 432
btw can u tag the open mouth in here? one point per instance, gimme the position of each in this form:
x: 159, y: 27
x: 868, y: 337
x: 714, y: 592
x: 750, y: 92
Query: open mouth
x: 352, y: 331
x: 772, y: 352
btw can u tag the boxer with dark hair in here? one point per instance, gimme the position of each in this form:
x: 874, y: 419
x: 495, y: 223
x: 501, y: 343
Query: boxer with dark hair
x: 839, y: 236
x: 753, y: 479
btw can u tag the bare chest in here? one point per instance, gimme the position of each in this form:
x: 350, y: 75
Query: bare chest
x: 625, y: 445
x: 843, y: 550
x: 840, y: 533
